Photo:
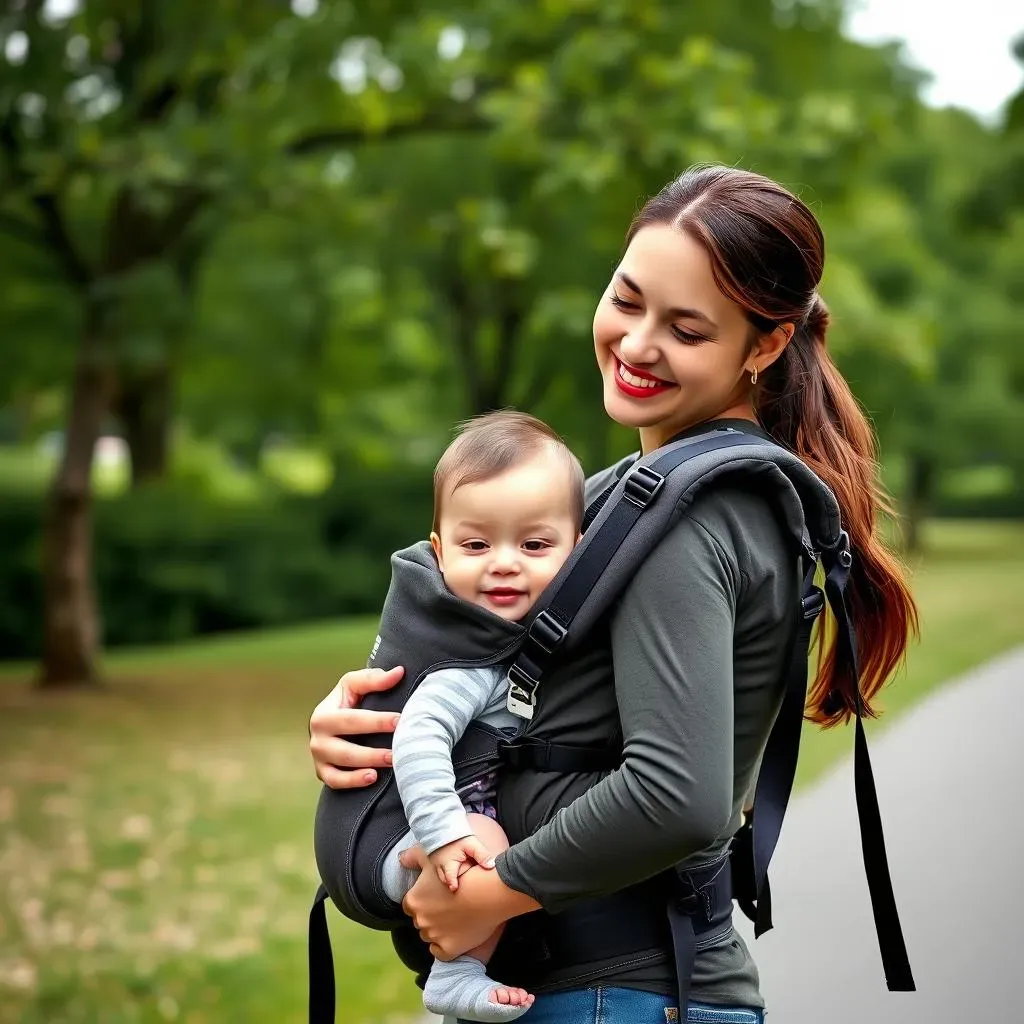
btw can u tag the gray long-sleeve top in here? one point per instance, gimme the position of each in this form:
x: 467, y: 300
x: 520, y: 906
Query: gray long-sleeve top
x: 698, y: 642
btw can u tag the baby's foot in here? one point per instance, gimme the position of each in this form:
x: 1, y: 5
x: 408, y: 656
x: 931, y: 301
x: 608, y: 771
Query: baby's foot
x: 512, y: 997
x: 461, y: 988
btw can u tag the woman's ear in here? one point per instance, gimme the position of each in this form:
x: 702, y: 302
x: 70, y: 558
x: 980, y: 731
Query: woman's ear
x: 435, y: 543
x: 769, y: 347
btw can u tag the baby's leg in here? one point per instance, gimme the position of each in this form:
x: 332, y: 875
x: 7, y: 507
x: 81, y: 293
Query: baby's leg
x: 460, y: 987
x: 395, y: 880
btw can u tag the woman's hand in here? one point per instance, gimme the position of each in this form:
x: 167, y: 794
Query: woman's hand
x: 455, y: 923
x: 340, y: 763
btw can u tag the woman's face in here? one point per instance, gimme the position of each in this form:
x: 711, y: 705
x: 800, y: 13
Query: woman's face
x: 672, y: 349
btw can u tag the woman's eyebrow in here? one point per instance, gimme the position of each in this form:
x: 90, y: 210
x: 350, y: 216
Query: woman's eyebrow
x: 688, y: 314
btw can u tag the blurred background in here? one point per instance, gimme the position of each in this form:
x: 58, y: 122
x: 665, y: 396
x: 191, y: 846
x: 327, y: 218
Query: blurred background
x: 256, y: 259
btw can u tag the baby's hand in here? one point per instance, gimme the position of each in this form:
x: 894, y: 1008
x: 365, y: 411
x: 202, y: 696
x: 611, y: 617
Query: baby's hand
x: 452, y: 860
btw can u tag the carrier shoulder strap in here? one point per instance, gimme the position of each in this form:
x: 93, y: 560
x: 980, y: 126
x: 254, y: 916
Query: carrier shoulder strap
x: 550, y: 628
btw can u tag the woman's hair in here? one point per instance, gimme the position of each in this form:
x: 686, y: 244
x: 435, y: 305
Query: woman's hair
x: 494, y: 442
x: 767, y: 253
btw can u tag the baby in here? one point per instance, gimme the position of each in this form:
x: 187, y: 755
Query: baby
x: 508, y: 504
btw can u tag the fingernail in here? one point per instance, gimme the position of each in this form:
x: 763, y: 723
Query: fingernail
x: 369, y: 776
x: 490, y: 863
x: 389, y: 758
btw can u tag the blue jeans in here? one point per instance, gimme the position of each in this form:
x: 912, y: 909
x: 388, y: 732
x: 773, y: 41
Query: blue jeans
x: 629, y: 1006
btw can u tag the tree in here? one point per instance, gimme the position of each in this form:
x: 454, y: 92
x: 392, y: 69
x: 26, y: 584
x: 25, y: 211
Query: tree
x: 127, y: 133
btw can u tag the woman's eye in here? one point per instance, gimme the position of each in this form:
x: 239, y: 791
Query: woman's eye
x: 622, y: 303
x: 686, y: 337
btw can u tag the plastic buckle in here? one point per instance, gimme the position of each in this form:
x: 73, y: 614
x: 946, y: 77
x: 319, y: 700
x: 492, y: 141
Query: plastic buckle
x: 522, y: 690
x: 642, y: 485
x: 546, y: 632
x: 841, y: 549
x: 690, y: 904
x: 812, y: 603
x: 508, y: 753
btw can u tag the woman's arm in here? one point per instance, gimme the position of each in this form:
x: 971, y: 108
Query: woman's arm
x: 672, y: 643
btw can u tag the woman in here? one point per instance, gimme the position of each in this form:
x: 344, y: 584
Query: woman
x: 712, y: 315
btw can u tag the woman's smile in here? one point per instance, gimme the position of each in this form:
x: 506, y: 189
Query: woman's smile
x: 638, y: 383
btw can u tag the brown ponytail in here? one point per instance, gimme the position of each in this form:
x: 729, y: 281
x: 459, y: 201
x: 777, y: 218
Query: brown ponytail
x: 807, y: 406
x: 767, y: 253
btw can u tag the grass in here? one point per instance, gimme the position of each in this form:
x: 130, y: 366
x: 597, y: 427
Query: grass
x: 155, y: 859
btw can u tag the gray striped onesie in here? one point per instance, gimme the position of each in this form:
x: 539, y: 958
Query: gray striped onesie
x: 432, y: 722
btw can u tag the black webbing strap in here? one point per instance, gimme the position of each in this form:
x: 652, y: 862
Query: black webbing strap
x: 703, y: 901
x: 778, y: 766
x: 549, y: 628
x: 891, y: 944
x: 321, y: 963
x: 529, y: 754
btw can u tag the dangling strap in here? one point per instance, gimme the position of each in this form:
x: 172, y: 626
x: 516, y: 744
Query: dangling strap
x: 550, y: 627
x: 778, y: 766
x: 778, y: 769
x: 895, y: 962
x: 321, y: 963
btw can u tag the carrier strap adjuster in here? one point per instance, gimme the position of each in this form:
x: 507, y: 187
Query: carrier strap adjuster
x: 546, y: 632
x: 812, y: 603
x: 642, y: 485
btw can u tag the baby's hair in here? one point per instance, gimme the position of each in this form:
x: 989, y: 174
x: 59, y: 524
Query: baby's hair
x: 495, y: 442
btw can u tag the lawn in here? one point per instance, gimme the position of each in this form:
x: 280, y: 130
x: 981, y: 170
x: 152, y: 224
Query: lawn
x: 155, y: 858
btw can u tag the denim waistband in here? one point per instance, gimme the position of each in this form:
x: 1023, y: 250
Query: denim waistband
x: 613, y: 1005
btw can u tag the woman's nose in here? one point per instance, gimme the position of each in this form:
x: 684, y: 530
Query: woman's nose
x: 638, y: 347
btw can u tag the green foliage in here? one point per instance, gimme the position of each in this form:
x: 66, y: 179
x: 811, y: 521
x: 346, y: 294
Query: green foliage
x: 350, y: 225
x: 172, y: 563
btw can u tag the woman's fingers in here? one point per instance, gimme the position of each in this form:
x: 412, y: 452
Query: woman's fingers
x: 354, y: 685
x: 340, y: 763
x: 339, y: 778
x: 341, y: 753
x: 337, y: 722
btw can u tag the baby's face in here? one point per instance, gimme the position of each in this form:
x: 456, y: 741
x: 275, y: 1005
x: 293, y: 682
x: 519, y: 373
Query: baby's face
x: 502, y: 540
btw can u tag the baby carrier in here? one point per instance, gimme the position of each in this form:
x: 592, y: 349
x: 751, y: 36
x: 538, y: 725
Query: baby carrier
x: 424, y: 628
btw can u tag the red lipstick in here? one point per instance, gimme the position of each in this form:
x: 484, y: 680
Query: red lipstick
x: 632, y: 390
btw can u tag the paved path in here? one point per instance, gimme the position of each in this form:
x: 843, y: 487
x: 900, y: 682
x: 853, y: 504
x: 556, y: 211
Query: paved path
x: 950, y: 776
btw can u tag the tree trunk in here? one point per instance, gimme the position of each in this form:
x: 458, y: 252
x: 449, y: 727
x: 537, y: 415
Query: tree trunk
x: 920, y: 482
x: 144, y: 409
x: 71, y: 634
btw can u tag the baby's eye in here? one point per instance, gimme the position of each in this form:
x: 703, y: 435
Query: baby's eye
x: 474, y: 545
x: 536, y: 545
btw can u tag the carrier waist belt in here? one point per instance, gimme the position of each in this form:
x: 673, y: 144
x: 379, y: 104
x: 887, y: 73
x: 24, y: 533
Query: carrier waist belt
x: 668, y: 914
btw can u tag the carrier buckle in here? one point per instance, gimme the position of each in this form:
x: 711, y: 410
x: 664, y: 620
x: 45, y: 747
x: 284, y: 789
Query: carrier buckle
x: 642, y: 485
x: 840, y: 549
x: 546, y: 632
x: 812, y: 603
x: 522, y: 692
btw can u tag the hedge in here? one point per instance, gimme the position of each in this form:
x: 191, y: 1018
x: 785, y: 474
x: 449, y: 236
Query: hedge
x: 171, y: 564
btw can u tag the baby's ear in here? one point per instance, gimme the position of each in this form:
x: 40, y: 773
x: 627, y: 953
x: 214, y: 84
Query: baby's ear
x: 435, y: 543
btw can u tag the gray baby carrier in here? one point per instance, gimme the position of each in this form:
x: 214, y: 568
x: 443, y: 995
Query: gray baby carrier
x: 424, y: 628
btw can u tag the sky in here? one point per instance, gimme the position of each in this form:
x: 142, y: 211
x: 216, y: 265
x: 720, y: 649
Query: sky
x: 966, y: 46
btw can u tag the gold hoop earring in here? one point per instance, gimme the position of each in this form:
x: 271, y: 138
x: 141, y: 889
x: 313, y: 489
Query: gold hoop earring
x: 753, y: 377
